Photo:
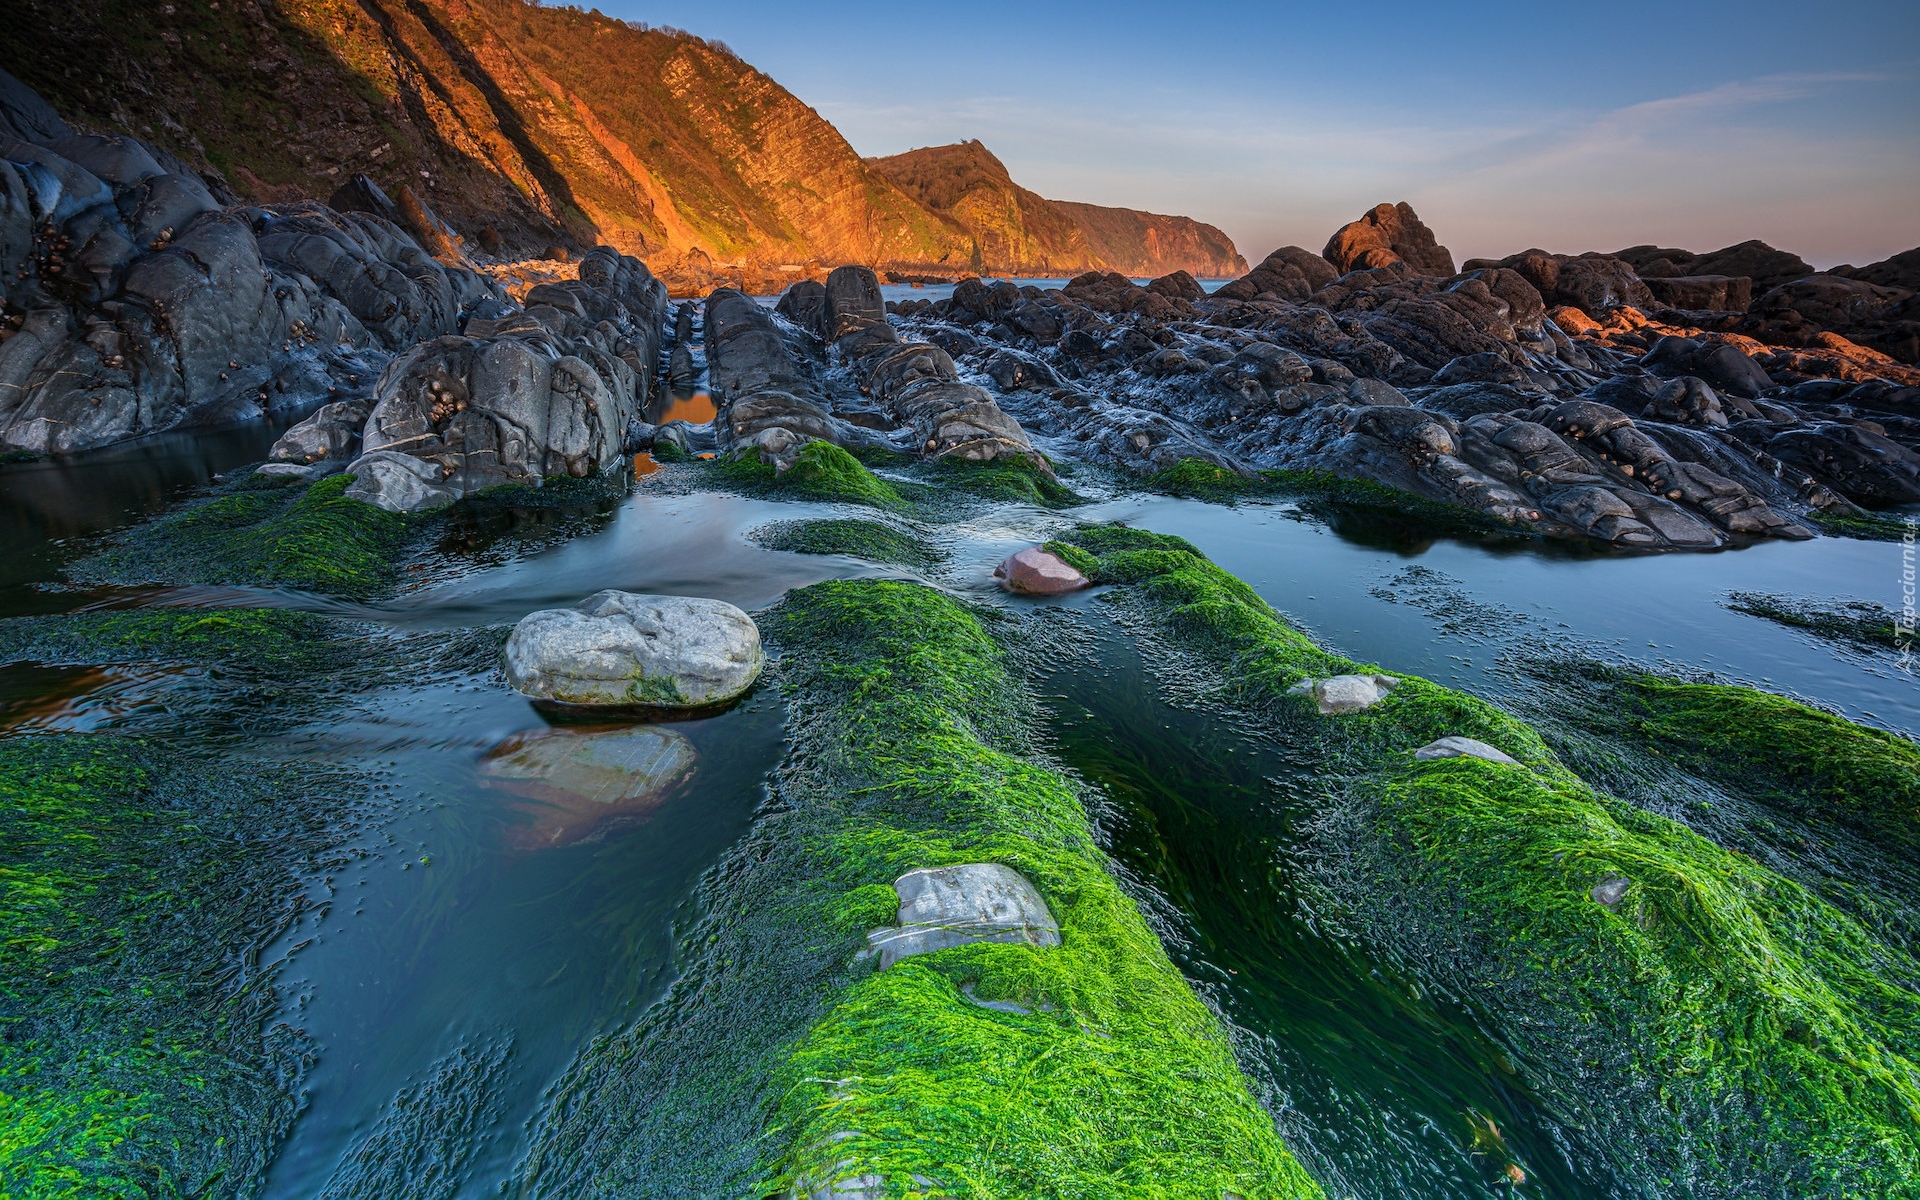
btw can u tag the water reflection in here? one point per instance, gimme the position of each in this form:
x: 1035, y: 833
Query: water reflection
x: 575, y: 783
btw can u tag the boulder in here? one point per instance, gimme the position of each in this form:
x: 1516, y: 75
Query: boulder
x: 1289, y: 273
x: 399, y: 482
x: 853, y: 301
x: 1456, y: 746
x: 805, y: 304
x: 1596, y: 284
x: 623, y: 650
x: 331, y: 432
x: 571, y: 782
x: 943, y: 907
x: 1712, y: 293
x: 1037, y: 572
x: 1390, y: 233
x: 1611, y: 891
x: 1345, y: 693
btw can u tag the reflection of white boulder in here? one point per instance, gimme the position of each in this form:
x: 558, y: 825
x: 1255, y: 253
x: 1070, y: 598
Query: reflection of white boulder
x: 619, y: 649
x: 576, y: 779
x: 1345, y: 693
x: 953, y: 906
x: 1462, y: 747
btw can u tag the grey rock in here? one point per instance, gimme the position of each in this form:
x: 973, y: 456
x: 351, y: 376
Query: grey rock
x: 624, y: 650
x: 1345, y: 693
x: 1455, y: 746
x: 399, y: 482
x: 331, y: 432
x: 1611, y: 891
x: 942, y: 907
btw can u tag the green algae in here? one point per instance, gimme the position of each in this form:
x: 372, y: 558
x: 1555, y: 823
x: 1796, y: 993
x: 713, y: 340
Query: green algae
x: 1854, y: 623
x: 1777, y: 751
x: 1865, y: 526
x: 821, y: 471
x: 136, y: 1059
x: 783, y: 1060
x: 264, y: 534
x: 1018, y: 480
x: 263, y: 641
x: 1718, y: 1031
x: 870, y: 540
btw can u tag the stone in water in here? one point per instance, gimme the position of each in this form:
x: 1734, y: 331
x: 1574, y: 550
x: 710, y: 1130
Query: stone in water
x: 1037, y: 572
x: 624, y: 650
x: 575, y: 781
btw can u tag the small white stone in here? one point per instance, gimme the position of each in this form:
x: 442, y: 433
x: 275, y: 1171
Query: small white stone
x: 1345, y: 693
x: 1462, y: 747
x: 1610, y: 892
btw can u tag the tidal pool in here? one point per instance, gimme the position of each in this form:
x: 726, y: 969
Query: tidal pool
x: 487, y: 926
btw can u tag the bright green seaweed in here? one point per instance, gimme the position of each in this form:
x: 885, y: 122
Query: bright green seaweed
x: 1719, y: 1031
x: 783, y: 1059
x: 312, y: 537
x: 870, y: 540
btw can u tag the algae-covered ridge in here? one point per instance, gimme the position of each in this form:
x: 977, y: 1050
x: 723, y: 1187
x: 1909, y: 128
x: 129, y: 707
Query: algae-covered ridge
x: 783, y: 1062
x: 1716, y: 1028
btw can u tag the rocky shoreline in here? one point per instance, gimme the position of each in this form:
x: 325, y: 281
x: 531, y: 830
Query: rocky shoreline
x: 920, y: 972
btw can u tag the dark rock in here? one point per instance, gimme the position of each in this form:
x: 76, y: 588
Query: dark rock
x: 1717, y: 293
x: 1488, y: 366
x: 805, y: 304
x: 25, y: 117
x: 1390, y: 233
x: 1177, y: 286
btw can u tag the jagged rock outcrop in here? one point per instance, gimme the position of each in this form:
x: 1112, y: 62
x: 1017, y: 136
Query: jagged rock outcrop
x: 1533, y: 389
x: 135, y: 302
x: 769, y: 396
x: 550, y: 390
x: 1388, y: 234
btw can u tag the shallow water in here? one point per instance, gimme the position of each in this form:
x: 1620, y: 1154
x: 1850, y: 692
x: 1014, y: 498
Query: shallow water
x: 481, y: 938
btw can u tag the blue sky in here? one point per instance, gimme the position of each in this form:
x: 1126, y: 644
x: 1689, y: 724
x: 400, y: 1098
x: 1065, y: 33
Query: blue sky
x: 1572, y: 127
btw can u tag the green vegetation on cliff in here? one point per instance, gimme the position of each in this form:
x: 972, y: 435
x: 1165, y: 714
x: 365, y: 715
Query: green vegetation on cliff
x: 1716, y: 1026
x: 782, y: 1059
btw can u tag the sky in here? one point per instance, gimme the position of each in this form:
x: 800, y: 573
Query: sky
x: 1570, y: 127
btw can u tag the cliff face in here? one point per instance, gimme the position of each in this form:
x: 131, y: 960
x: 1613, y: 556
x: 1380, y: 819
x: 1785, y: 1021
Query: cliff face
x: 1018, y: 231
x: 538, y: 125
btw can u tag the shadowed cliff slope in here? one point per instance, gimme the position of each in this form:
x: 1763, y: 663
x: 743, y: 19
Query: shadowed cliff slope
x: 1019, y: 231
x: 538, y: 124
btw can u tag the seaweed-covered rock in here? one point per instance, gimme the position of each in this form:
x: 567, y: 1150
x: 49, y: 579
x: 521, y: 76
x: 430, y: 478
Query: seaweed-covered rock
x: 623, y: 650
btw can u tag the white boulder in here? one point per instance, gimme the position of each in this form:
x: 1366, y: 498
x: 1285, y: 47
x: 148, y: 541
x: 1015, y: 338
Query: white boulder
x: 1463, y: 747
x: 623, y: 650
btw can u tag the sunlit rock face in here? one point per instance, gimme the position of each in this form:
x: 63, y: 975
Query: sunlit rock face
x: 572, y: 784
x: 1542, y: 393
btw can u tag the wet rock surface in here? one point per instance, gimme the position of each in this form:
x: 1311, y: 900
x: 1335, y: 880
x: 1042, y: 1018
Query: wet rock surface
x: 1557, y: 394
x: 549, y: 390
x: 622, y: 650
x: 135, y: 302
x: 1037, y: 572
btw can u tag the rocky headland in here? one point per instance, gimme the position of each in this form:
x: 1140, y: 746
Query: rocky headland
x: 533, y: 128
